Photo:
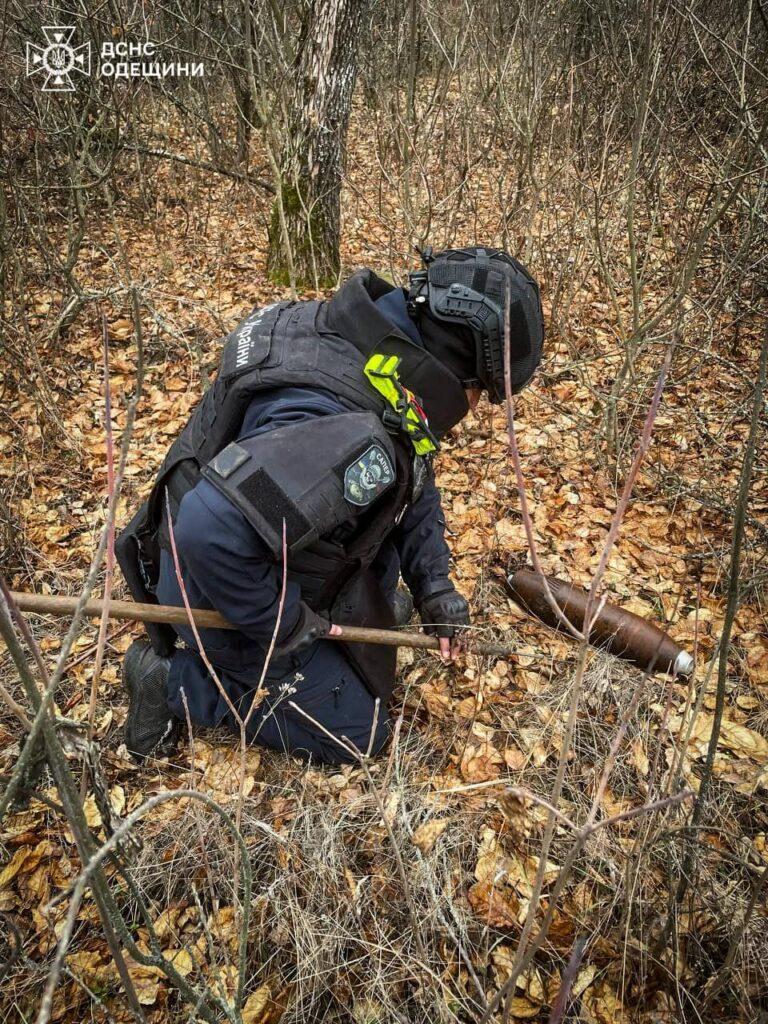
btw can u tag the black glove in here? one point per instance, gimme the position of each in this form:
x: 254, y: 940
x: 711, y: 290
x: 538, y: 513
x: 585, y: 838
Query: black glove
x: 441, y: 612
x: 309, y: 628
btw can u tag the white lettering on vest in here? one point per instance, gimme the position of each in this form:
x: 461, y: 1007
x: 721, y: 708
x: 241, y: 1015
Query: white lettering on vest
x: 245, y: 334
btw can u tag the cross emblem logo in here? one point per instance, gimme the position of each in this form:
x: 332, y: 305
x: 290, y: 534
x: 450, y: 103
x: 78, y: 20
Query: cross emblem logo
x: 58, y: 59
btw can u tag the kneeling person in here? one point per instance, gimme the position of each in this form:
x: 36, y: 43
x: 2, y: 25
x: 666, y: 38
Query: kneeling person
x: 315, y: 443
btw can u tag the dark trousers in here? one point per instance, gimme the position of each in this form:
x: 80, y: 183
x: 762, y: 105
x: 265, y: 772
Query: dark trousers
x: 320, y: 681
x: 324, y: 686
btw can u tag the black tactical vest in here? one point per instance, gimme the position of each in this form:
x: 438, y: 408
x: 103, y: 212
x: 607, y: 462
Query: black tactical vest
x: 290, y: 344
x: 277, y: 346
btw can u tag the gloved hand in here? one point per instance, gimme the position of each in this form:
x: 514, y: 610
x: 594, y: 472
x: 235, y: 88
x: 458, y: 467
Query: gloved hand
x: 307, y: 630
x: 441, y: 613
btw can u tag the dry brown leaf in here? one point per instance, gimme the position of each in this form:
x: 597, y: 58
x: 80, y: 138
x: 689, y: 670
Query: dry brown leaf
x: 92, y: 815
x: 426, y: 835
x: 222, y: 778
x: 521, y: 1008
x: 120, y: 329
x: 510, y: 535
x: 601, y: 1005
x: 514, y: 758
x: 584, y: 979
x: 223, y: 980
x: 14, y: 865
x: 518, y: 813
x: 147, y: 988
x: 504, y: 883
x: 496, y: 905
x: 146, y: 981
x: 743, y: 742
x: 638, y: 756
x: 503, y: 957
x: 481, y: 763
x: 495, y: 864
x: 223, y: 926
x: 472, y: 541
x: 26, y: 859
x: 438, y: 704
x: 181, y: 960
x: 530, y: 739
x: 92, y: 966
x: 467, y: 708
x: 257, y: 1005
x: 532, y: 985
x: 167, y: 922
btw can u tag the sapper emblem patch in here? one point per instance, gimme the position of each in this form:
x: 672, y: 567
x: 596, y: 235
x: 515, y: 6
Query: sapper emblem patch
x: 369, y: 475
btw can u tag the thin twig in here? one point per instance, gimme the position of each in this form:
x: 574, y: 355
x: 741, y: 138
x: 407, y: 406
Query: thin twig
x: 110, y: 556
x: 523, y: 956
x: 569, y: 977
x: 374, y: 723
x: 65, y: 784
x: 732, y: 605
x: 74, y: 628
x: 520, y: 477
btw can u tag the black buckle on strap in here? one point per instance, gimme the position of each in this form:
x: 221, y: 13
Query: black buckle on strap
x: 393, y: 421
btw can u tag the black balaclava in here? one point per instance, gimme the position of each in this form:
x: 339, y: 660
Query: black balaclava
x: 452, y: 344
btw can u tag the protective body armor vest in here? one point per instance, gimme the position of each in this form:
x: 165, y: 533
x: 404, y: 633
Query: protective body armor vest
x: 293, y: 344
x: 279, y: 346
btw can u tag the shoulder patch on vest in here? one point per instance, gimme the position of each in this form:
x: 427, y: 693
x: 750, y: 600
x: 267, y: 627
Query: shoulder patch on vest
x: 368, y: 476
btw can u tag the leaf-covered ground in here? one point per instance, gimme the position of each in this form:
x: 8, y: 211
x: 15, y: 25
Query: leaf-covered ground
x: 333, y: 935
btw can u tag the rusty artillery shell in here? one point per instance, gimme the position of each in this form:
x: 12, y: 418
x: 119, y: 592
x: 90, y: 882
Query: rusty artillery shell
x: 622, y: 633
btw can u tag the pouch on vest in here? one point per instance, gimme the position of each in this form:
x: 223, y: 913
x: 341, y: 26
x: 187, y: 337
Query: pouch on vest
x: 314, y: 476
x: 138, y: 556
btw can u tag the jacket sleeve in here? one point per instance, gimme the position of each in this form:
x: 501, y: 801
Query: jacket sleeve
x: 420, y: 541
x: 231, y: 566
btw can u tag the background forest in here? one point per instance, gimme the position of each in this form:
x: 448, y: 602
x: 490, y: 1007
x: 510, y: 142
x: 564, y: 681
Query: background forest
x: 555, y: 836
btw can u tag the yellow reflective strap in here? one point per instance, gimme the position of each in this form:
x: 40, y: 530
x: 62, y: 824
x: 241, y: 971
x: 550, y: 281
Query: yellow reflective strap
x: 414, y: 425
x: 381, y: 371
x: 423, y: 446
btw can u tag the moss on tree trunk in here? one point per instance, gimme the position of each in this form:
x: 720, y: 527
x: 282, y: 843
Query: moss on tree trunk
x: 313, y: 236
x: 304, y: 229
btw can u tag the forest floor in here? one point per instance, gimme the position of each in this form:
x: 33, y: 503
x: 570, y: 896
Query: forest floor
x: 333, y: 936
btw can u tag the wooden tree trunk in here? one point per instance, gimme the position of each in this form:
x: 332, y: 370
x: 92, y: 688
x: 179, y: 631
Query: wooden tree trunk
x: 246, y: 117
x: 305, y: 225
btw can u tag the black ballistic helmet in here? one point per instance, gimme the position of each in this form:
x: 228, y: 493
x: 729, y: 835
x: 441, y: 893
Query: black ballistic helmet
x: 465, y: 290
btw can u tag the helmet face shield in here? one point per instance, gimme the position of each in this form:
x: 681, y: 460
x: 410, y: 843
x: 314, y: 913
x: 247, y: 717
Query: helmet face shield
x: 469, y: 287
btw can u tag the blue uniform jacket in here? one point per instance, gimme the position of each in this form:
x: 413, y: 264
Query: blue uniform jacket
x: 226, y: 566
